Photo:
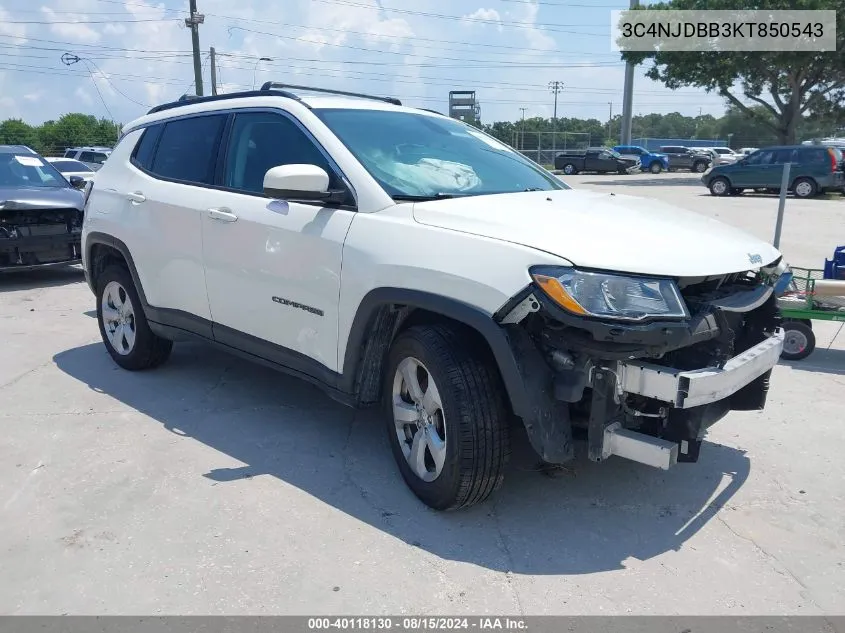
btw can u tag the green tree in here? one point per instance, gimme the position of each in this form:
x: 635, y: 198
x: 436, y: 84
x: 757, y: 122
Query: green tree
x: 16, y: 132
x: 786, y: 86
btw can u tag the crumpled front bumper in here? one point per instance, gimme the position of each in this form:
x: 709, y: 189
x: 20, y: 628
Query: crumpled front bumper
x: 687, y: 389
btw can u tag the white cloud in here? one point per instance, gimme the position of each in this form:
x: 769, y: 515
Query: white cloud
x: 481, y: 16
x: 16, y: 31
x: 83, y: 96
x: 72, y: 26
x: 360, y: 48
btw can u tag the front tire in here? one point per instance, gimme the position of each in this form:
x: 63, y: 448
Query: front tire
x: 570, y: 169
x: 720, y: 187
x: 700, y: 167
x: 123, y: 326
x: 655, y: 168
x: 446, y: 418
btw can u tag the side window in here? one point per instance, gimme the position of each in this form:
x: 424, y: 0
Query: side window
x: 142, y: 157
x: 88, y: 157
x: 782, y: 156
x: 814, y: 156
x: 605, y: 156
x: 262, y: 140
x: 188, y: 149
x: 763, y: 157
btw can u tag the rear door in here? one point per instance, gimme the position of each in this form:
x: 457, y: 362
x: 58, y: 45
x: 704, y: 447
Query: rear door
x: 170, y: 188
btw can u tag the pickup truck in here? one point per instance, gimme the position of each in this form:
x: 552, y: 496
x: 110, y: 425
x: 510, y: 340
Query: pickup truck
x: 595, y: 159
x: 649, y: 161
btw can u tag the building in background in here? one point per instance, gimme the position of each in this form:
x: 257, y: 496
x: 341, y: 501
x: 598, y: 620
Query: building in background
x: 464, y: 106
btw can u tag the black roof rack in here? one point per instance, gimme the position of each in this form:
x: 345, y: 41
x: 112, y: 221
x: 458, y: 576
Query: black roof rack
x: 269, y: 89
x: 274, y: 85
x: 186, y: 100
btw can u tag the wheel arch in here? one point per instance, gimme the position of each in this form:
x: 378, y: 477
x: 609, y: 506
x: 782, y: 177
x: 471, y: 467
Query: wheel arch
x: 102, y: 249
x: 384, y: 312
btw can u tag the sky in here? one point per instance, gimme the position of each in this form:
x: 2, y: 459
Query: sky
x: 128, y: 55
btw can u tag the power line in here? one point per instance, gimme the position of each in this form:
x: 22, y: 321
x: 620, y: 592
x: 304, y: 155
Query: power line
x: 530, y: 25
x: 49, y: 22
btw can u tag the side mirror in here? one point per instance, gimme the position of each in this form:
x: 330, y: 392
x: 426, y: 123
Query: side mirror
x: 77, y: 182
x: 300, y: 182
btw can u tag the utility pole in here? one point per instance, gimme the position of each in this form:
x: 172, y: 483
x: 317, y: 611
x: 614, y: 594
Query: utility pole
x: 522, y: 131
x: 609, y: 118
x: 555, y: 87
x: 193, y: 23
x: 212, y: 59
x: 628, y: 96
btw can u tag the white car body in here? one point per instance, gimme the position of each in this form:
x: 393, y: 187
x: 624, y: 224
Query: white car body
x: 60, y: 163
x: 726, y: 155
x: 209, y: 259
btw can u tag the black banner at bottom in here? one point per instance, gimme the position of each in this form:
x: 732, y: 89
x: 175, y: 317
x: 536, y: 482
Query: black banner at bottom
x: 402, y: 623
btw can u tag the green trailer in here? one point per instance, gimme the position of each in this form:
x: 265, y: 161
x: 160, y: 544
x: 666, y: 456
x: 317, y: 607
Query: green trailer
x: 800, y: 306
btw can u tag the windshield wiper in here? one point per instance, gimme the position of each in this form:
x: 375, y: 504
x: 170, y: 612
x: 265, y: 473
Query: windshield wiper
x: 437, y: 196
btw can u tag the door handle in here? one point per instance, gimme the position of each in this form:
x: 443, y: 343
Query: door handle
x: 136, y: 197
x: 222, y: 214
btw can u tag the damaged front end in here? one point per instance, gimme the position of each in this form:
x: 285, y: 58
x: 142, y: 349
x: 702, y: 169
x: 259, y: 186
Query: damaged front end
x: 32, y: 236
x: 643, y: 386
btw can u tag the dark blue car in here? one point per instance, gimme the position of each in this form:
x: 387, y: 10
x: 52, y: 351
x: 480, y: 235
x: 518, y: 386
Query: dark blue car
x: 651, y: 161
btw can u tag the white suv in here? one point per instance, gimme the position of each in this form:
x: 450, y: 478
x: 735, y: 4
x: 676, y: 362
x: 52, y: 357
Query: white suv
x: 393, y: 255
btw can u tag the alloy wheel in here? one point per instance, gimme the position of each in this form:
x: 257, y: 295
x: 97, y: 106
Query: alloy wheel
x: 118, y: 318
x: 418, y: 416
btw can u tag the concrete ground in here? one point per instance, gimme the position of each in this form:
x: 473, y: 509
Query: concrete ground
x: 213, y: 486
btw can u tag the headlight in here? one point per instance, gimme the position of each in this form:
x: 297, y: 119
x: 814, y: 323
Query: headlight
x: 609, y: 296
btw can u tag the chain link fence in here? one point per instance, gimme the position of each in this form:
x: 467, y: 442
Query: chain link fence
x: 541, y: 147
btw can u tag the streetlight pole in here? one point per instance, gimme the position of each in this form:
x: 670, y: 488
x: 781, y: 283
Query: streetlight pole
x: 555, y: 87
x: 522, y: 131
x: 255, y: 69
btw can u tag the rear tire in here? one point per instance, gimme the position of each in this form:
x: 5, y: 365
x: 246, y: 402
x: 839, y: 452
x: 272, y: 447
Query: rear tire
x: 446, y: 418
x: 123, y: 326
x: 799, y: 340
x: 805, y: 188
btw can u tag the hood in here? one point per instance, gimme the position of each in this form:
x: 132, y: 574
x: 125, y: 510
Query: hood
x: 36, y: 198
x: 604, y: 231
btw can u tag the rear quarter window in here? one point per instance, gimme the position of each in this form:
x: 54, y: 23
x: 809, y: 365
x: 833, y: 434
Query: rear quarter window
x: 142, y: 156
x: 187, y: 149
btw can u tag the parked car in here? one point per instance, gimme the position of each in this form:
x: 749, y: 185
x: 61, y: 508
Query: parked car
x: 597, y: 159
x: 814, y: 169
x: 69, y: 167
x: 649, y: 161
x: 726, y: 155
x: 475, y: 287
x: 40, y: 212
x: 684, y: 158
x: 93, y: 157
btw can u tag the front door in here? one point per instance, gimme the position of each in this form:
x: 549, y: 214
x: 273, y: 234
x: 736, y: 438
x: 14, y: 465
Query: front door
x: 753, y: 171
x: 273, y: 266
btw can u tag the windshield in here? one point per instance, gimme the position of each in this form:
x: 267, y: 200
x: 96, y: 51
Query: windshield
x: 28, y: 170
x: 70, y: 166
x: 419, y: 156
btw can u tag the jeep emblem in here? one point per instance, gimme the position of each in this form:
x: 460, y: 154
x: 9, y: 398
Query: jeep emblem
x: 755, y: 258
